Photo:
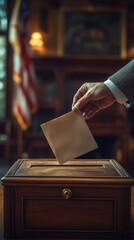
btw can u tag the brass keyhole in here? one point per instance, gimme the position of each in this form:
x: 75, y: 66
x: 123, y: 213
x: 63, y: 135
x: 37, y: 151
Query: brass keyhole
x: 66, y: 193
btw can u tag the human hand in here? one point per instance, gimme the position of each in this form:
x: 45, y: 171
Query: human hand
x: 91, y: 98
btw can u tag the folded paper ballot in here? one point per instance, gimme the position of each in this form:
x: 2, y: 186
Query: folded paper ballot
x: 69, y: 136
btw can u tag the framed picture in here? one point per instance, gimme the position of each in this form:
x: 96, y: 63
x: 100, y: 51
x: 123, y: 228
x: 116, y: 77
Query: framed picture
x: 92, y: 32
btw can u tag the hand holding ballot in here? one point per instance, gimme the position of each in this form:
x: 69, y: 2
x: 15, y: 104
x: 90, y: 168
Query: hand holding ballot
x: 69, y: 136
x: 91, y: 98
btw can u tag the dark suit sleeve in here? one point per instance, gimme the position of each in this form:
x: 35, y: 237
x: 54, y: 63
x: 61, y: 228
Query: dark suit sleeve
x: 124, y: 80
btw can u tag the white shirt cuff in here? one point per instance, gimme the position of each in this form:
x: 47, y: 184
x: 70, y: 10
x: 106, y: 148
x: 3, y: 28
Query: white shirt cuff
x: 120, y: 97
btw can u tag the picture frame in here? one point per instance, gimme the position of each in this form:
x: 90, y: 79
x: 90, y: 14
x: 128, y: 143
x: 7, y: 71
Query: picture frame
x: 92, y: 32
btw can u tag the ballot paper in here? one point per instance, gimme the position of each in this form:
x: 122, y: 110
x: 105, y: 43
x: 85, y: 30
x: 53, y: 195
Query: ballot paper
x: 69, y: 136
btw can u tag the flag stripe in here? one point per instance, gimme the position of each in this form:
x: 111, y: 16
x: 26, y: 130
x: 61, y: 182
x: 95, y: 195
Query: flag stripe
x: 22, y: 120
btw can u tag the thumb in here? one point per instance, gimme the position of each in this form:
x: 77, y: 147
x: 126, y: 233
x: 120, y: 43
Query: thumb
x: 82, y: 101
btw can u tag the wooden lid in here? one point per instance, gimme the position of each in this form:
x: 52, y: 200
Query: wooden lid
x: 79, y: 170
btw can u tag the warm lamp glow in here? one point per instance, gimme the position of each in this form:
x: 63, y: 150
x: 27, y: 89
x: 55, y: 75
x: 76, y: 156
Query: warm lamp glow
x: 37, y: 42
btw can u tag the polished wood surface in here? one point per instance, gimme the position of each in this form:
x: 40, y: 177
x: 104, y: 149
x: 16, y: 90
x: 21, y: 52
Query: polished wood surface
x: 98, y: 169
x: 67, y: 207
x: 2, y: 224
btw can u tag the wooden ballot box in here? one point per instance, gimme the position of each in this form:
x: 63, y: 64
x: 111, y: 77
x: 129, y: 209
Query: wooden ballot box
x: 82, y: 199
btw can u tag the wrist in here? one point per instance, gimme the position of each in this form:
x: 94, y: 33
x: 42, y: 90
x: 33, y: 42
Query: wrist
x: 120, y: 97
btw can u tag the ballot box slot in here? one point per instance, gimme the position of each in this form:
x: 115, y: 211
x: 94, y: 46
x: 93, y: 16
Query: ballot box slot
x: 68, y: 166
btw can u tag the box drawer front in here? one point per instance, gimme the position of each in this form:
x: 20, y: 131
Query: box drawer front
x: 76, y: 214
x: 48, y: 212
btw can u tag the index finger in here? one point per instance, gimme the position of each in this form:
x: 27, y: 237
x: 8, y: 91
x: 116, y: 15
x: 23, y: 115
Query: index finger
x: 78, y: 95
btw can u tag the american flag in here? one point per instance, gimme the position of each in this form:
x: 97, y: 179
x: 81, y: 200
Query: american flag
x: 25, y: 97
